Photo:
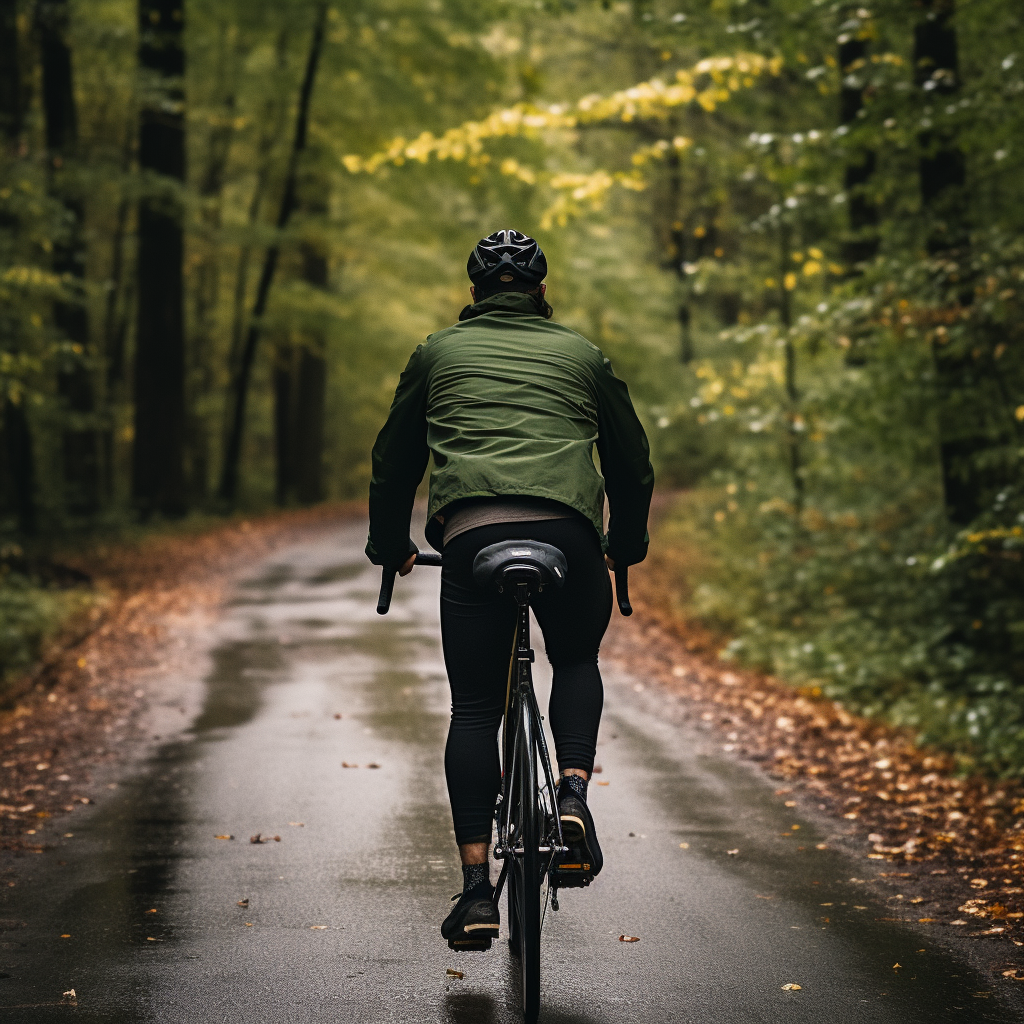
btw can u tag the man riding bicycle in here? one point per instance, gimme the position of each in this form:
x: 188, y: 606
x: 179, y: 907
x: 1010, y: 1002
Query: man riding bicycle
x: 510, y: 405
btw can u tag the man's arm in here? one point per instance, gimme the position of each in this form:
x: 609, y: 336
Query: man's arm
x: 399, y: 459
x: 626, y: 467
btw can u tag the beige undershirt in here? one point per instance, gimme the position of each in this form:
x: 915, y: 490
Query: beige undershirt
x: 489, y: 511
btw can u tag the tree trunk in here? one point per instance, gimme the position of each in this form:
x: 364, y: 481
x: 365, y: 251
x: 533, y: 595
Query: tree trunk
x: 21, y: 464
x: 312, y: 370
x: 300, y: 376
x: 284, y: 442
x: 158, y: 478
x: 677, y: 246
x: 309, y: 426
x: 240, y: 384
x: 80, y: 442
x: 12, y: 101
x: 942, y: 176
x: 207, y: 287
x: 862, y: 245
x: 17, y: 434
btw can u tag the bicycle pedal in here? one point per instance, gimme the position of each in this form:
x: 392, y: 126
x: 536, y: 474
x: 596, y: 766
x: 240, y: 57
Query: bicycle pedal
x: 572, y: 876
x: 477, y: 945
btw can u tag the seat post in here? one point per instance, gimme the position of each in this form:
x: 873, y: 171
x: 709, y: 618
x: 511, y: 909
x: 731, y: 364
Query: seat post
x: 523, y: 652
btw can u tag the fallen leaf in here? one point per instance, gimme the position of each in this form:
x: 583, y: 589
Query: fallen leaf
x: 337, y: 716
x: 600, y: 783
x: 248, y: 924
x: 223, y: 837
x: 597, y: 770
x: 243, y: 903
x: 629, y: 938
x: 153, y: 911
x: 978, y: 883
x: 821, y: 846
x: 1014, y: 974
x: 926, y: 920
x: 684, y: 846
x: 257, y: 839
x: 790, y: 987
x: 896, y: 966
x: 65, y: 936
x: 373, y: 764
x: 69, y: 996
x: 454, y: 974
x: 297, y: 824
x: 317, y: 927
x: 345, y: 764
x: 732, y: 853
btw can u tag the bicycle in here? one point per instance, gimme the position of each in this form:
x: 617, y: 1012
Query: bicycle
x: 529, y: 830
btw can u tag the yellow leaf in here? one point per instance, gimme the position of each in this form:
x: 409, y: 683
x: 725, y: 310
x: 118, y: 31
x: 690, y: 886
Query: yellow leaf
x: 816, y: 253
x: 789, y: 282
x: 812, y: 267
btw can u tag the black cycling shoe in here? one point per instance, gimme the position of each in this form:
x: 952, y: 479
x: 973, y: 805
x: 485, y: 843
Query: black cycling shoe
x: 473, y: 923
x: 584, y: 859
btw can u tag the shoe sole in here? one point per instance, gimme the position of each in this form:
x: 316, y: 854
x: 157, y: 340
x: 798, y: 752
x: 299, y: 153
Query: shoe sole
x: 480, y: 945
x: 574, y: 875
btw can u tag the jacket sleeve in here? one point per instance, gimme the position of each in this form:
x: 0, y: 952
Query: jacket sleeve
x: 399, y: 458
x: 626, y: 467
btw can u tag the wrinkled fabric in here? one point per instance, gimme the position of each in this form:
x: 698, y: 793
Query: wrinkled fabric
x: 509, y: 403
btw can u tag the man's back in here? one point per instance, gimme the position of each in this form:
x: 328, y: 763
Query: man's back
x: 512, y: 408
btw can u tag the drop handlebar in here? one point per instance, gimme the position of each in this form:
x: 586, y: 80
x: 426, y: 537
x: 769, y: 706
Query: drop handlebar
x: 387, y: 584
x: 387, y: 579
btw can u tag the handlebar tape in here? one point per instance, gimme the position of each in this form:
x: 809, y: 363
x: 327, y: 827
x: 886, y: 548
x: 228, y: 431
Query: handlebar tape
x: 622, y: 590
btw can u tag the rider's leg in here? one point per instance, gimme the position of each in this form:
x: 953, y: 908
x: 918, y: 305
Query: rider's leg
x: 574, y: 619
x: 473, y: 853
x: 476, y: 631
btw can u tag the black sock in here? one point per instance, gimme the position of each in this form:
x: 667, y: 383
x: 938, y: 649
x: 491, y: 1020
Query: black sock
x: 577, y: 784
x: 476, y: 879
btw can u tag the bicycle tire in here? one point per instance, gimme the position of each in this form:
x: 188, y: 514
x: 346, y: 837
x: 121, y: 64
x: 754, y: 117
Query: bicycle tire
x: 526, y: 884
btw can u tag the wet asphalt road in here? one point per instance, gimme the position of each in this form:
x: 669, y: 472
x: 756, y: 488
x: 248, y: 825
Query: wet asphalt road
x: 343, y: 912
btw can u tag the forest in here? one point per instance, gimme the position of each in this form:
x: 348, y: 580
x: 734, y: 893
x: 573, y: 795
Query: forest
x: 795, y: 226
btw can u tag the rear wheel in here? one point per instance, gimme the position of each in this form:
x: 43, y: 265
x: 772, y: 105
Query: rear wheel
x: 524, y: 878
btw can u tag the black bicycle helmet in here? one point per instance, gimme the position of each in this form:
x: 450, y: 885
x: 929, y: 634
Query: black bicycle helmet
x: 507, y: 261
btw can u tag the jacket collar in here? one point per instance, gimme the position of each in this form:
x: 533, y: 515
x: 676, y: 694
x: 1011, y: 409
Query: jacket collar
x: 503, y: 302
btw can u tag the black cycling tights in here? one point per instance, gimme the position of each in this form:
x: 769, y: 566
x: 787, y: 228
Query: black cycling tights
x: 477, y: 631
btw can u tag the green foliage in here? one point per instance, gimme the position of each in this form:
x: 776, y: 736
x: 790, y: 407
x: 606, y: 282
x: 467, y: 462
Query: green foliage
x: 32, y: 616
x: 830, y: 354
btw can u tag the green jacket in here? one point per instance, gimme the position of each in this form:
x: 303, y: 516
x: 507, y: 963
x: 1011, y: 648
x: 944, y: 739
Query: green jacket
x: 509, y: 403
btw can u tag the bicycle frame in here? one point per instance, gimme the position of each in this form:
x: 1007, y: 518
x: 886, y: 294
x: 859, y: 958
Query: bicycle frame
x: 522, y: 701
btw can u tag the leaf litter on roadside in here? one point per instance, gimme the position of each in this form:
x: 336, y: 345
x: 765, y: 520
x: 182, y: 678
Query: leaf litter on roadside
x: 913, y: 806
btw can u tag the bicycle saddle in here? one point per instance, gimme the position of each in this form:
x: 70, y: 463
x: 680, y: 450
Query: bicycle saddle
x: 519, y: 561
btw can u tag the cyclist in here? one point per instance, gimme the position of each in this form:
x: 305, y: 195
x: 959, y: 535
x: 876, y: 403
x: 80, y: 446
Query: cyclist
x: 510, y: 405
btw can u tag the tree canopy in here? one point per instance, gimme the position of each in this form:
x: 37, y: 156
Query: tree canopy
x: 795, y: 227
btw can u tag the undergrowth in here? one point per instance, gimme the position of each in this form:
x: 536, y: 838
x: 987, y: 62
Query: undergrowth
x: 897, y: 618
